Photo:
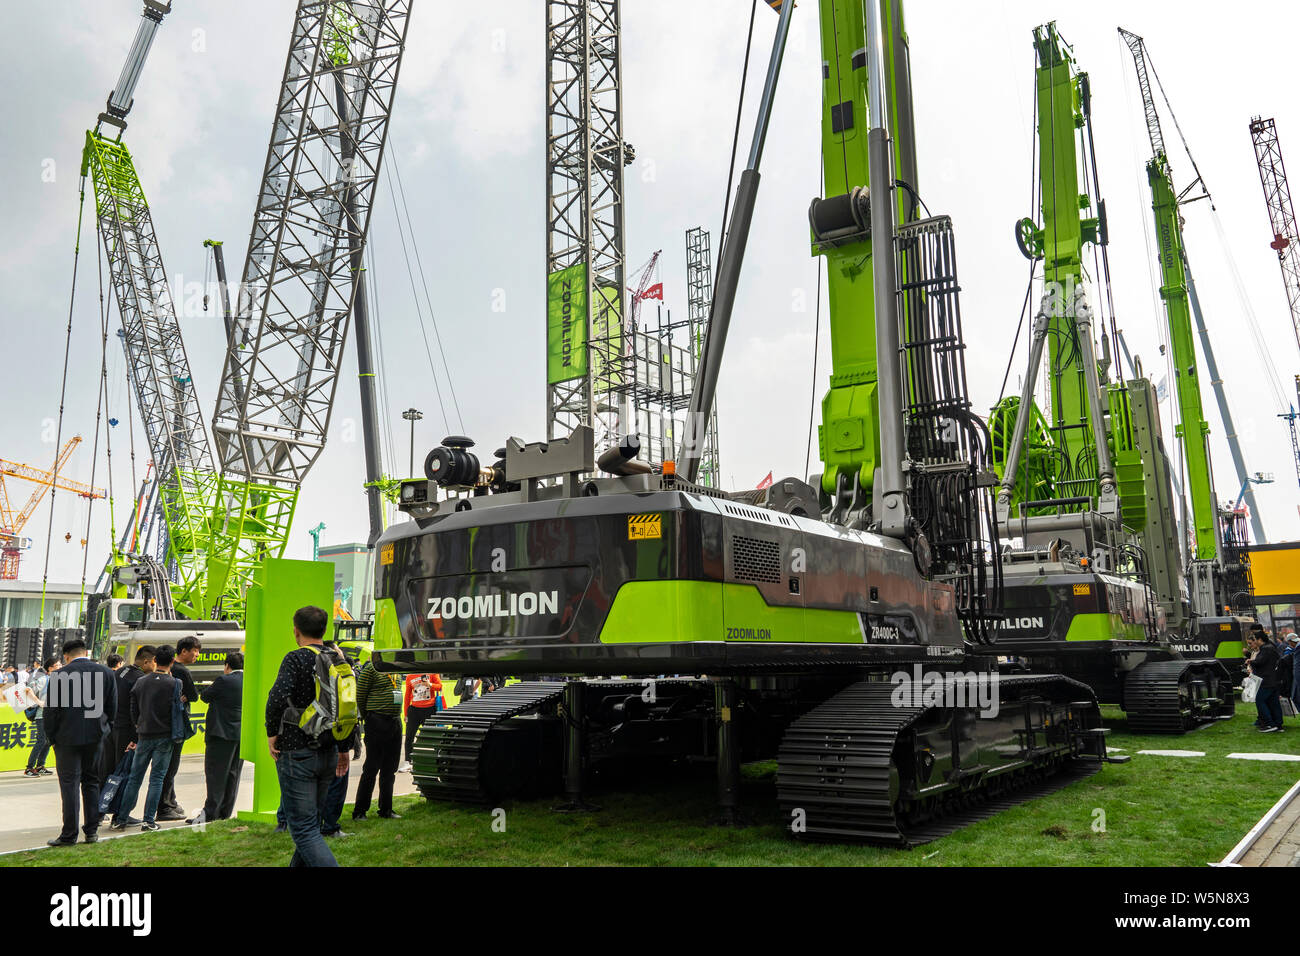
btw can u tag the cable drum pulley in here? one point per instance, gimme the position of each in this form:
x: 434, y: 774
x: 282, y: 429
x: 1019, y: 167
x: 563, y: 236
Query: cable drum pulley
x: 841, y: 219
x: 1029, y: 238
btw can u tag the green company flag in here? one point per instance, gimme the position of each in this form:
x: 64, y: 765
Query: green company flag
x: 566, y: 324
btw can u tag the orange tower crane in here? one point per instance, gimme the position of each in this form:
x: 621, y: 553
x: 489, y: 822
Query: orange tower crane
x: 11, y: 523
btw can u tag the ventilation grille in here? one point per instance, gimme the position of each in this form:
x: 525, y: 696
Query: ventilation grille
x: 755, y: 560
x: 758, y: 514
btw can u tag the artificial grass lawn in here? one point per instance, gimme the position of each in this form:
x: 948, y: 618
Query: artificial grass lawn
x: 1159, y: 811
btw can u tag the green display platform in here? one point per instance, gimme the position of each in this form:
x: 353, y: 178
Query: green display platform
x: 282, y: 587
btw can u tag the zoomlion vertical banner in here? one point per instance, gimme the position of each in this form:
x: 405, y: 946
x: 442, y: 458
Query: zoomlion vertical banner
x: 566, y: 324
x: 607, y: 338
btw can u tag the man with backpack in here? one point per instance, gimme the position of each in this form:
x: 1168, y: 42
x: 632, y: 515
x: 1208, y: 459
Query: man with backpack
x: 310, y: 727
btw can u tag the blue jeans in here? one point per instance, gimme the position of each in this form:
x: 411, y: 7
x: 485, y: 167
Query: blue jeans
x: 40, y: 748
x: 1269, y: 703
x: 332, y: 808
x: 305, y: 777
x: 155, y: 750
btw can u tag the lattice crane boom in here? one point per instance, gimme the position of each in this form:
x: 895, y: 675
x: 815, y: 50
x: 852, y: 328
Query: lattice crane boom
x: 159, y: 368
x: 302, y: 275
x: 1281, y: 212
x: 1182, y: 308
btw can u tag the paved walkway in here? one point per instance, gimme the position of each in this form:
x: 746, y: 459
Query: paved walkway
x: 1279, y: 844
x: 32, y: 812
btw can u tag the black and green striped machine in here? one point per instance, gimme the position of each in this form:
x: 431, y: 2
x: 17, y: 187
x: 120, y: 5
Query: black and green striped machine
x: 824, y: 623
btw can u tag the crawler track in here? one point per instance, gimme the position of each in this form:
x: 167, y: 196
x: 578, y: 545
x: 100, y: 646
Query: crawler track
x: 839, y: 764
x: 1173, y: 697
x: 481, y: 750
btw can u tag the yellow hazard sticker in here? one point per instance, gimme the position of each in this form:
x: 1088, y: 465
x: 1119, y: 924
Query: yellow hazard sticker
x: 1082, y: 589
x: 645, y: 527
x: 386, y: 554
x: 1225, y: 627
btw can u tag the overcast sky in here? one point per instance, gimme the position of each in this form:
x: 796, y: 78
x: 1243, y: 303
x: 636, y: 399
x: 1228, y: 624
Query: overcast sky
x: 468, y: 138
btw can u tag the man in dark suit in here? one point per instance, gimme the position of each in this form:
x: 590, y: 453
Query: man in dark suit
x: 81, y: 702
x: 221, y: 764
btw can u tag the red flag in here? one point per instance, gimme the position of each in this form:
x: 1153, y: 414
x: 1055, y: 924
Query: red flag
x: 766, y: 482
x: 655, y: 291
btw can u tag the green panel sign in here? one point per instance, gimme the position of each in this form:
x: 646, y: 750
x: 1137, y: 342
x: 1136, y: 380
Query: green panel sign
x: 566, y: 324
x: 607, y: 331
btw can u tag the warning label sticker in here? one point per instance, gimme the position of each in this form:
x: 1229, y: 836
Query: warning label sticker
x: 386, y: 554
x: 645, y: 527
x: 1082, y: 589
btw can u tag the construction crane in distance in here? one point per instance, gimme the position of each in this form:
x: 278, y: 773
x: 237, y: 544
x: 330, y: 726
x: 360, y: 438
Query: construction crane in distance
x: 645, y: 288
x: 1281, y: 216
x: 12, y: 544
x: 1186, y: 300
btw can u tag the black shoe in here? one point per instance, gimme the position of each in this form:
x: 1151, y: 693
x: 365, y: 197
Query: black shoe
x: 60, y: 841
x: 29, y: 772
x: 123, y: 824
x: 390, y: 816
x: 358, y: 816
x: 92, y: 837
x: 148, y: 827
x: 42, y: 772
x: 169, y: 815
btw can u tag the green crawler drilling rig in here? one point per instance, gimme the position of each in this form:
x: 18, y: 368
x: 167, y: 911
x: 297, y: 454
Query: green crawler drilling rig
x: 1094, y: 588
x: 823, y: 624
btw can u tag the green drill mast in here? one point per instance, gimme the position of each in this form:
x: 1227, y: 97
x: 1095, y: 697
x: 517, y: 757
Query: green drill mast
x: 1062, y: 455
x: 850, y: 433
x: 1097, y: 451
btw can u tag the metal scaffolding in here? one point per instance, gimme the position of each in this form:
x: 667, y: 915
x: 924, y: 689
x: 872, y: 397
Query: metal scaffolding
x: 588, y: 354
x: 699, y: 300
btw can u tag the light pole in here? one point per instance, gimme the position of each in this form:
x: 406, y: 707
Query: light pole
x: 412, y: 415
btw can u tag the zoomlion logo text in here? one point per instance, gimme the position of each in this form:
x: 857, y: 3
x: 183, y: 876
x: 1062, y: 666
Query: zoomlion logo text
x: 566, y: 328
x: 1020, y: 623
x: 524, y: 604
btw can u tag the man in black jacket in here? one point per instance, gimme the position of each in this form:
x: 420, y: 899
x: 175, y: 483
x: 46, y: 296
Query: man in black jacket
x: 123, y: 734
x: 305, y: 763
x: 221, y: 763
x: 80, y: 703
x: 152, y: 711
x: 1264, y: 666
x: 187, y: 651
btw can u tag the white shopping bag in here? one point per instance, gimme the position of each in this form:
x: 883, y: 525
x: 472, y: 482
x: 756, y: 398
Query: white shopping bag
x: 1250, y: 687
x: 15, y: 696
